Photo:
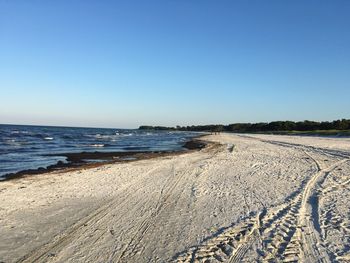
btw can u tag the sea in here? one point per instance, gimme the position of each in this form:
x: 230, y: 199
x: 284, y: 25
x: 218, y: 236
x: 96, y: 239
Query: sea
x: 27, y: 147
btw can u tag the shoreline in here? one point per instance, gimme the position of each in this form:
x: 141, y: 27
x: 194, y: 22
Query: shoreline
x: 86, y: 160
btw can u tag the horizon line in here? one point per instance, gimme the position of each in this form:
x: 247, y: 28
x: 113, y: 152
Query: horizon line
x: 95, y: 127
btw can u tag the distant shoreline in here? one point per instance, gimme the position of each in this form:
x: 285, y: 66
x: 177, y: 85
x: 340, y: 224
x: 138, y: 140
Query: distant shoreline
x: 335, y: 127
x: 323, y: 133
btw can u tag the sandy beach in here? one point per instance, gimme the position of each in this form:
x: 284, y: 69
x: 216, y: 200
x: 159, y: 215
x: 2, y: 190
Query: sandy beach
x: 243, y: 198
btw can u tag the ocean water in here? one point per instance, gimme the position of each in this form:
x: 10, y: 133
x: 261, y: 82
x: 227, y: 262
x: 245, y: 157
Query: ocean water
x: 26, y: 147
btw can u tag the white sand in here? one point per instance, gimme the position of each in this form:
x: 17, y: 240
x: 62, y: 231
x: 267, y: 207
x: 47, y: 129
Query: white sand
x: 270, y: 197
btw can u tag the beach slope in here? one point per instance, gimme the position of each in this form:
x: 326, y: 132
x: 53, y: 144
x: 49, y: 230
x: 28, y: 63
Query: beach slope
x: 242, y: 198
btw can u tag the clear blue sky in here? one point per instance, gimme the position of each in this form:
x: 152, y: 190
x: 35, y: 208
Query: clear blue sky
x: 127, y: 63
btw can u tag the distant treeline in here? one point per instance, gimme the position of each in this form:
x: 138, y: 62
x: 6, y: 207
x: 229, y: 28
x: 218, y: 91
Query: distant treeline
x: 306, y: 125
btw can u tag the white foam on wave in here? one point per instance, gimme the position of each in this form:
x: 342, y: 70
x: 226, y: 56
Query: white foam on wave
x: 17, y: 132
x: 48, y: 138
x: 97, y: 145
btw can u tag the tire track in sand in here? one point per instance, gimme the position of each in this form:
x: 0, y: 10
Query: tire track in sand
x: 165, y: 199
x: 287, y: 233
x: 60, y: 241
x: 133, y: 247
x: 313, y: 248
